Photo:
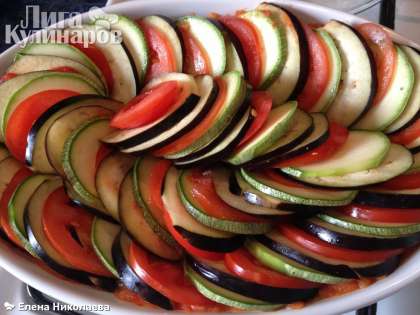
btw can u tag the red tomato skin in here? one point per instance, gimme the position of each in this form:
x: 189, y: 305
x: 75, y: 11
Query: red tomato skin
x: 407, y: 135
x: 261, y: 102
x: 245, y: 266
x: 25, y: 115
x: 148, y: 106
x: 251, y: 45
x: 161, y: 54
x: 99, y: 59
x: 337, y: 137
x: 319, y: 71
x: 165, y: 277
x: 385, y: 215
x: 7, y: 76
x: 384, y: 53
x: 320, y: 247
x: 57, y: 218
x: 17, y: 179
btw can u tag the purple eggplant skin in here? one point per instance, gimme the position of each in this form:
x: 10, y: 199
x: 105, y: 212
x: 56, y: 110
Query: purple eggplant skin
x: 350, y: 241
x: 250, y: 289
x: 211, y: 244
x: 132, y: 282
x: 384, y: 200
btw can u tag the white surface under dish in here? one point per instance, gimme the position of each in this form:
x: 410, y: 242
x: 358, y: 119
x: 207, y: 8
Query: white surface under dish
x: 75, y: 294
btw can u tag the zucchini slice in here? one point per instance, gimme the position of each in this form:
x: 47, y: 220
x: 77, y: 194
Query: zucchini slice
x: 31, y: 63
x: 273, y: 43
x: 383, y: 114
x: 233, y: 99
x: 220, y: 295
x: 36, y: 150
x: 222, y: 146
x: 163, y: 24
x: 358, y: 75
x: 284, y: 265
x: 273, y: 129
x: 230, y: 221
x: 193, y: 111
x: 129, y: 138
x: 222, y: 179
x: 134, y: 42
x: 103, y: 236
x: 145, y: 174
x: 413, y: 105
x: 294, y: 73
x: 335, y: 63
x: 17, y: 205
x: 109, y: 176
x: 4, y: 153
x: 209, y: 37
x: 397, y: 161
x: 62, y: 128
x: 363, y: 150
x: 133, y: 220
x: 48, y: 81
x: 300, y: 128
x: 60, y: 50
x: 80, y: 149
x: 281, y: 188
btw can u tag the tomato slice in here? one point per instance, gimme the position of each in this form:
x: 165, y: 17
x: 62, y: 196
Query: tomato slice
x: 319, y: 70
x: 129, y: 296
x: 261, y: 103
x: 165, y: 277
x: 147, y: 107
x: 196, y: 60
x: 251, y: 45
x: 25, y: 115
x: 320, y: 247
x: 401, y: 182
x: 245, y: 266
x: 337, y: 137
x: 200, y: 186
x: 102, y: 153
x: 386, y: 215
x: 68, y: 229
x: 162, y: 56
x: 99, y: 59
x: 18, y: 178
x: 191, y: 249
x: 407, y: 135
x: 64, y: 69
x: 7, y: 76
x: 384, y: 53
x: 189, y: 138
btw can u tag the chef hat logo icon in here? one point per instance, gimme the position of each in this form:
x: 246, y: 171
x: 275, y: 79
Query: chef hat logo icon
x: 101, y: 18
x: 8, y: 306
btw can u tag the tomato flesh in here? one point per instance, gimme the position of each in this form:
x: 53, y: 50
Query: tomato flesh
x: 25, y: 115
x: 384, y: 53
x: 407, y: 135
x: 147, y: 107
x: 165, y: 277
x: 320, y: 247
x: 99, y: 59
x: 17, y: 179
x: 401, y: 182
x: 196, y: 60
x: 201, y: 187
x: 7, y: 76
x: 261, y: 103
x: 245, y: 266
x: 102, y: 153
x: 319, y: 70
x: 385, y: 215
x: 251, y: 44
x: 337, y: 137
x: 191, y: 136
x: 62, y: 223
x: 162, y: 56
